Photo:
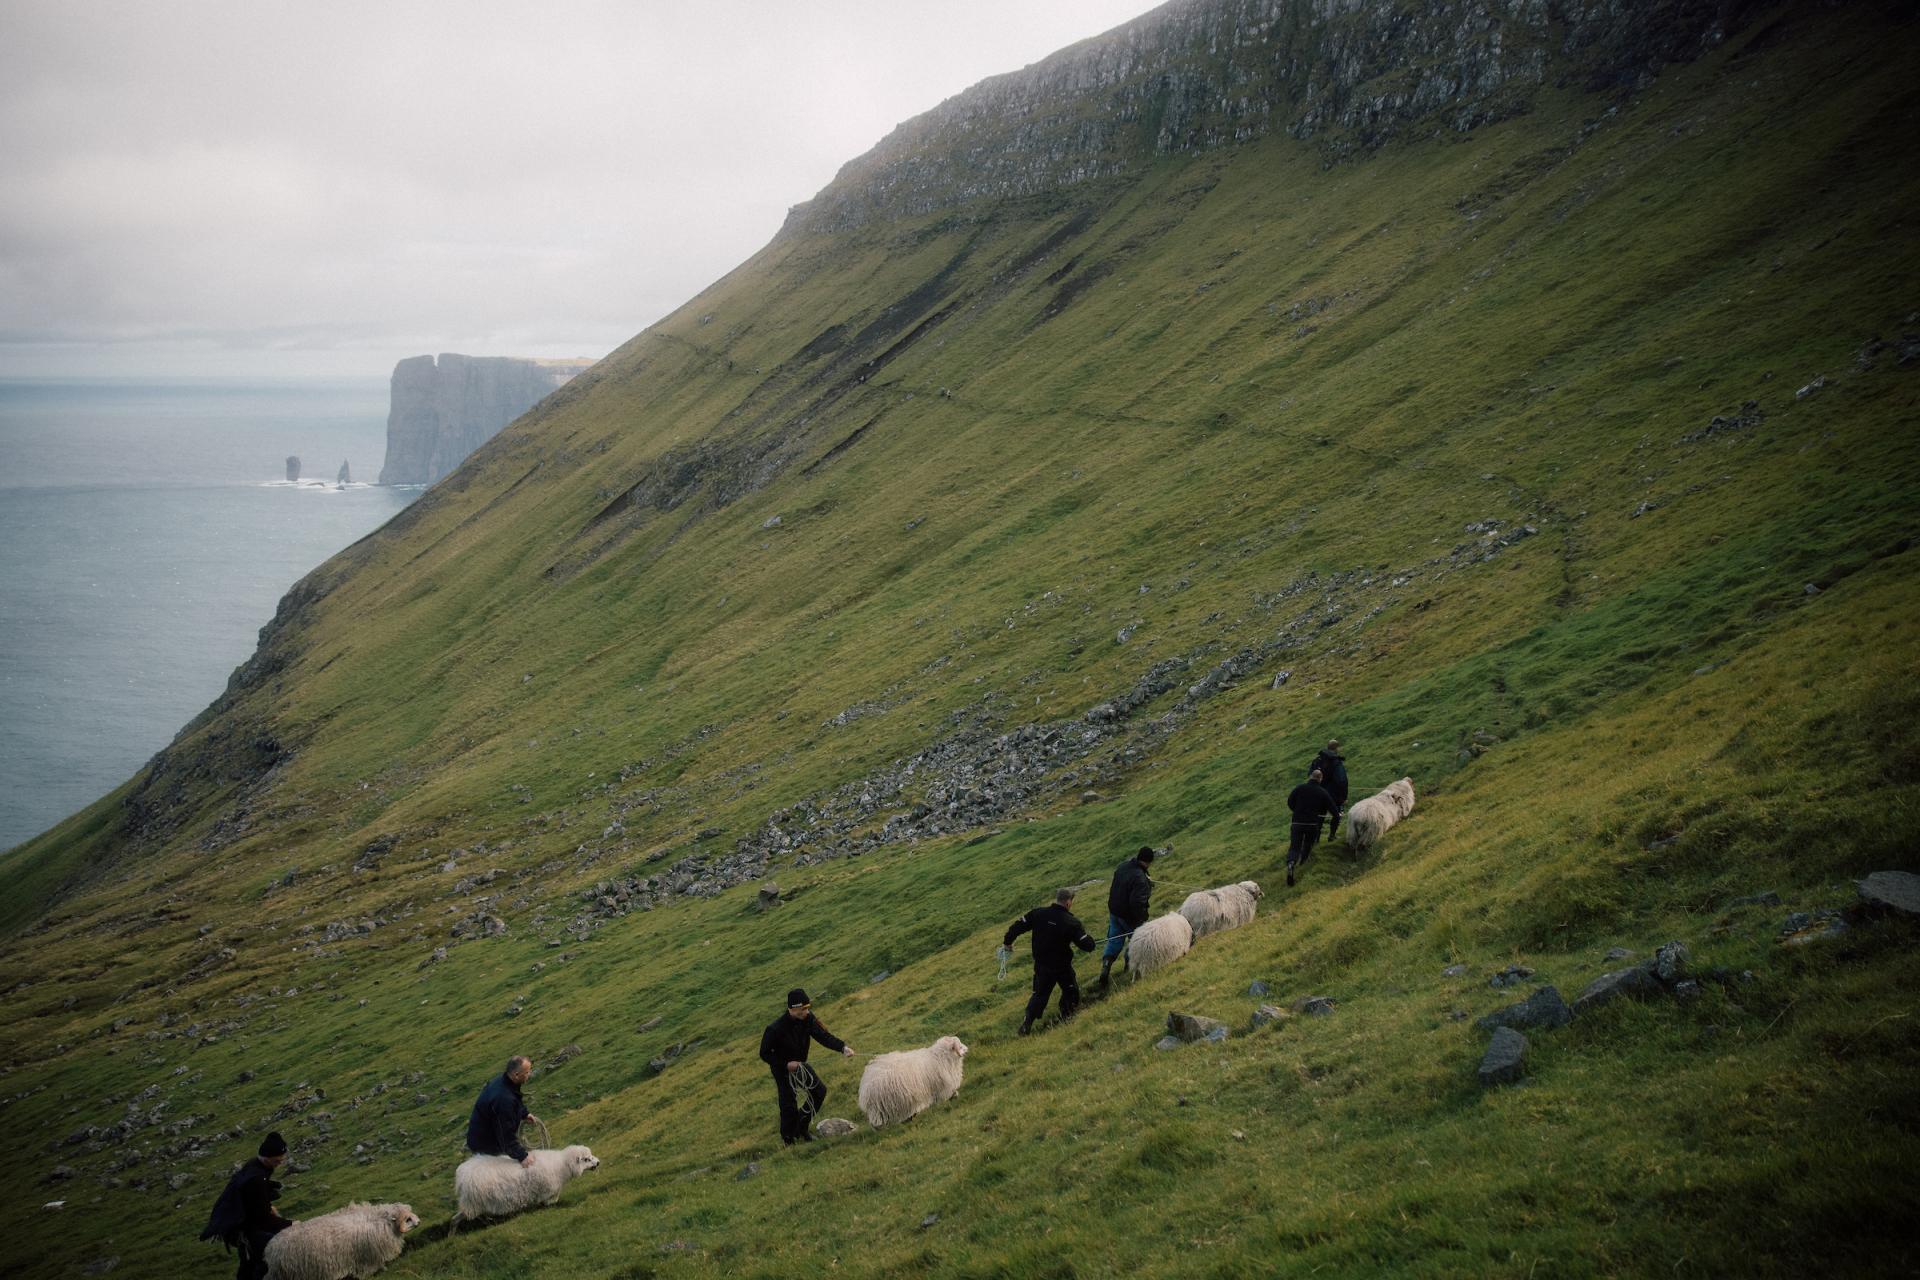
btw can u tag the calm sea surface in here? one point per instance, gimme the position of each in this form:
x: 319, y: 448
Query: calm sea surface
x: 146, y: 533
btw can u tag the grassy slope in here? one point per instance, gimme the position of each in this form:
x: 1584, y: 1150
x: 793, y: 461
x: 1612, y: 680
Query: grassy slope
x: 1518, y: 331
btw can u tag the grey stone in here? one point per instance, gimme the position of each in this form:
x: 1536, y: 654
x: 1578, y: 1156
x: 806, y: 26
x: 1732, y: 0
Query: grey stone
x: 1899, y: 890
x: 1544, y: 1008
x: 750, y: 1170
x: 1670, y: 962
x: 1168, y: 1042
x: 881, y: 976
x: 1505, y: 1058
x: 1803, y: 927
x: 929, y: 1220
x: 649, y: 1024
x: 768, y: 896
x: 1191, y: 1026
x: 1267, y: 1014
x: 1217, y: 1035
x: 1511, y: 976
x: 835, y: 1127
x: 1686, y: 989
x: 771, y: 522
x: 1767, y: 899
x: 1453, y: 971
x: 1637, y: 982
x: 293, y: 467
x: 1256, y: 988
x: 566, y: 1055
x: 345, y: 477
x: 1318, y: 1006
x: 1619, y: 953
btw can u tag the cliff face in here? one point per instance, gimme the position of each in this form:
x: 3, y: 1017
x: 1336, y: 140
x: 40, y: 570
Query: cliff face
x: 1198, y: 74
x: 445, y: 407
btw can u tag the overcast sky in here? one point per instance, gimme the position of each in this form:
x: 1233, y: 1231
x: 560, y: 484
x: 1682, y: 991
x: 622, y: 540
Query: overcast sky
x: 262, y: 187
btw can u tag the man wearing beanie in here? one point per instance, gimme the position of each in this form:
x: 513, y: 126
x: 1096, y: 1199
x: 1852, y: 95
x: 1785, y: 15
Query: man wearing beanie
x: 783, y: 1047
x: 243, y: 1217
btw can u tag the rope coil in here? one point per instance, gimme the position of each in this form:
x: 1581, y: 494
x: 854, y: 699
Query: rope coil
x: 802, y: 1081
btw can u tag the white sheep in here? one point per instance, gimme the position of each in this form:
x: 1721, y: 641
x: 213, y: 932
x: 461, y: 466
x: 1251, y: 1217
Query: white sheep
x: 355, y: 1241
x: 1228, y: 907
x: 896, y: 1087
x: 495, y: 1186
x: 1158, y: 943
x: 1368, y: 820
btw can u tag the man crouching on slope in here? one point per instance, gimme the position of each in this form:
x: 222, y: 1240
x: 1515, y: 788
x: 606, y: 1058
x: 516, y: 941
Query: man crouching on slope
x: 783, y: 1047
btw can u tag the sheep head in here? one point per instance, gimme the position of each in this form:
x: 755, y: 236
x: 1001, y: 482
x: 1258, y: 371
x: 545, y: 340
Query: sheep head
x: 952, y: 1045
x: 402, y: 1218
x: 1251, y: 888
x: 580, y: 1160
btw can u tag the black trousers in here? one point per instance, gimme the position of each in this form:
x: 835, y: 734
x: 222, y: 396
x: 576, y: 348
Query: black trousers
x: 1044, y: 981
x: 1333, y: 822
x: 793, y: 1125
x: 253, y: 1255
x: 1300, y: 848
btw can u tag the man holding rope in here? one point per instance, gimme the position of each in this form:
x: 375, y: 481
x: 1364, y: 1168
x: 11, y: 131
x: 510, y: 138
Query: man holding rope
x: 1126, y: 906
x: 1055, y: 934
x: 783, y: 1047
x: 1309, y: 803
x: 499, y: 1111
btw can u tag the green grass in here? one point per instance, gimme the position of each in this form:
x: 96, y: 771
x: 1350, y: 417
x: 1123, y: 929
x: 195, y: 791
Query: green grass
x: 1526, y: 323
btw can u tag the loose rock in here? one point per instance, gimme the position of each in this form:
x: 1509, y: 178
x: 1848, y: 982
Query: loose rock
x: 1511, y: 976
x: 1267, y: 1014
x: 1505, y: 1057
x: 1190, y: 1026
x: 1544, y: 1008
x: 835, y: 1127
x: 1898, y: 890
x: 1318, y: 1006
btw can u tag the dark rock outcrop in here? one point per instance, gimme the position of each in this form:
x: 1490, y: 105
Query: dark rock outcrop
x: 293, y: 467
x: 1544, y: 1008
x: 445, y: 407
x: 1505, y: 1058
x: 1196, y: 75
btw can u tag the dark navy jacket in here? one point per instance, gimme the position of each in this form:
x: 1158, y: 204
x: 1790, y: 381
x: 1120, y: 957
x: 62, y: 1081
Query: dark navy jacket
x: 245, y: 1207
x: 785, y: 1040
x: 494, y: 1129
x: 1132, y: 887
x: 1333, y: 776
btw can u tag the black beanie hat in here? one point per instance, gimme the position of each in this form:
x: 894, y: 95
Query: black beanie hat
x: 273, y: 1145
x: 797, y: 996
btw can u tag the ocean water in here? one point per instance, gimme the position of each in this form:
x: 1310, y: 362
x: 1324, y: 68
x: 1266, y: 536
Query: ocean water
x: 147, y: 532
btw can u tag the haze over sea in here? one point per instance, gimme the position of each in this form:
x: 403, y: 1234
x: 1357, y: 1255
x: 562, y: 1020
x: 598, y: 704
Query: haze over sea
x: 146, y: 534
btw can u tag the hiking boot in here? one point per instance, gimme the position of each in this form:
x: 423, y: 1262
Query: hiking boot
x: 1289, y: 875
x: 1026, y: 1028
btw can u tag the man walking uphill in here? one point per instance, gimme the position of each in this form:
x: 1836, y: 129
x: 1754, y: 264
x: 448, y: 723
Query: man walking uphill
x: 498, y: 1113
x: 783, y: 1047
x: 244, y: 1217
x: 1055, y: 934
x: 1126, y: 906
x: 1333, y: 776
x: 1309, y: 802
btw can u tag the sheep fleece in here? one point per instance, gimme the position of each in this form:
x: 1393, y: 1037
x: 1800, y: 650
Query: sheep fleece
x: 1368, y: 820
x: 1228, y: 907
x: 1158, y: 943
x: 355, y: 1241
x: 495, y: 1186
x: 899, y: 1086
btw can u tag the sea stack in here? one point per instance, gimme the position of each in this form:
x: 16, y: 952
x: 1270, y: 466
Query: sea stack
x: 293, y: 467
x: 445, y: 407
x: 346, y: 476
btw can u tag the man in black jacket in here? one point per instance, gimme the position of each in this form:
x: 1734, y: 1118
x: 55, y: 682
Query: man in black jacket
x: 1333, y: 776
x: 783, y: 1047
x: 1055, y: 934
x: 244, y: 1217
x: 1309, y: 803
x: 1126, y: 906
x: 498, y: 1113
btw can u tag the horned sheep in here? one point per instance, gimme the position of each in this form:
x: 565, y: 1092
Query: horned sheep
x: 1158, y: 943
x: 496, y: 1186
x: 1228, y: 907
x: 896, y: 1087
x: 355, y: 1241
x: 1370, y: 819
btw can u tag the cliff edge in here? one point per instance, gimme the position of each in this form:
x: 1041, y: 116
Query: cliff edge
x: 444, y: 407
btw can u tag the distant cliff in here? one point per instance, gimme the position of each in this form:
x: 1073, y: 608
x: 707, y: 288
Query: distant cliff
x: 445, y: 407
x: 1194, y: 75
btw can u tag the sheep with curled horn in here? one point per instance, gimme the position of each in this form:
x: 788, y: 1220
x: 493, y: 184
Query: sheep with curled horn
x: 1228, y: 907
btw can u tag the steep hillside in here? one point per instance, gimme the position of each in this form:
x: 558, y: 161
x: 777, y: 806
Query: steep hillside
x: 1545, y: 434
